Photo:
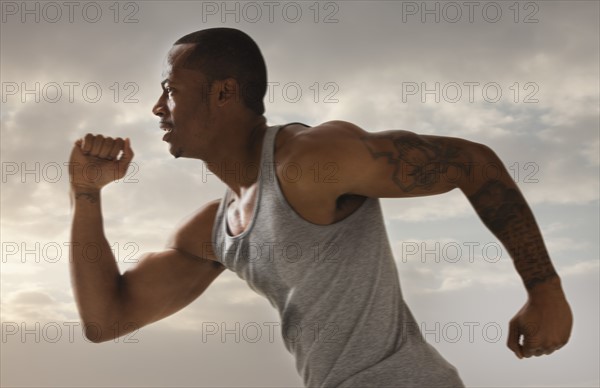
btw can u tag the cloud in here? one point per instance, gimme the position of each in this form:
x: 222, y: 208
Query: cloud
x: 36, y: 305
x: 581, y: 268
x: 364, y: 61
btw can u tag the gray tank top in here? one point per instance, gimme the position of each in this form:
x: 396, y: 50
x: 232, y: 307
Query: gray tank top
x: 336, y: 288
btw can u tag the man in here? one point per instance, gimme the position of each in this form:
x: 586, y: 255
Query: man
x: 301, y: 223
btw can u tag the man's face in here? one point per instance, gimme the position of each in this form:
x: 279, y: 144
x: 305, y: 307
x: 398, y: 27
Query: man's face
x: 183, y: 106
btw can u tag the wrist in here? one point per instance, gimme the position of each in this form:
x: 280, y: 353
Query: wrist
x: 76, y: 189
x: 551, y: 286
x: 82, y: 194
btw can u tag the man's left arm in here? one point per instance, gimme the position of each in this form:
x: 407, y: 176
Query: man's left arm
x: 546, y: 319
x: 397, y: 163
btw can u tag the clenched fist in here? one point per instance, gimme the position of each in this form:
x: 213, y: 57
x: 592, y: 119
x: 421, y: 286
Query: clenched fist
x: 545, y: 322
x: 97, y: 160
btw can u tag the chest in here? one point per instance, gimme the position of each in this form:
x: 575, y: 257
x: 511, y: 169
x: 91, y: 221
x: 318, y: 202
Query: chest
x: 240, y: 212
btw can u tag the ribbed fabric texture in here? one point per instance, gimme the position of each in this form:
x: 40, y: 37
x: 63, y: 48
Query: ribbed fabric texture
x: 336, y: 288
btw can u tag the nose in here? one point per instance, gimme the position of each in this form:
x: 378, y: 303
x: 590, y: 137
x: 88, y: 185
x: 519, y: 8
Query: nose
x: 160, y: 108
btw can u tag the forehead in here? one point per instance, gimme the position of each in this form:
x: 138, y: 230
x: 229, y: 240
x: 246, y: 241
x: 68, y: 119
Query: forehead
x: 174, y: 67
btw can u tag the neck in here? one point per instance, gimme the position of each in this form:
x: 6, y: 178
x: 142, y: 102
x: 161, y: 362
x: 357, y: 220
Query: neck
x: 237, y: 161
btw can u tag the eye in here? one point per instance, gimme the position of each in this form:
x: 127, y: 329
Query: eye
x: 169, y: 91
x: 166, y: 88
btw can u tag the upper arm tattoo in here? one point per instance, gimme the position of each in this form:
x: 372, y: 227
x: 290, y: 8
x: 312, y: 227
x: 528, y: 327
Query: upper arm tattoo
x: 418, y: 163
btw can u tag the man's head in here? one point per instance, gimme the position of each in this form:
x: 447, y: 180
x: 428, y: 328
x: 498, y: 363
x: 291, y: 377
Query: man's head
x: 212, y: 77
x: 221, y: 53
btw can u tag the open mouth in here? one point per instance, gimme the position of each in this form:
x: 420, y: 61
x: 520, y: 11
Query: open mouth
x: 168, y: 130
x: 167, y: 127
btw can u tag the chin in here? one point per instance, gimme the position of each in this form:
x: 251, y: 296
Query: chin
x: 176, y: 151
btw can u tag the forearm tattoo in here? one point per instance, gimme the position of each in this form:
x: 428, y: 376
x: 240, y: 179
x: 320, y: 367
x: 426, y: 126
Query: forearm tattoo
x: 418, y: 164
x: 504, y: 211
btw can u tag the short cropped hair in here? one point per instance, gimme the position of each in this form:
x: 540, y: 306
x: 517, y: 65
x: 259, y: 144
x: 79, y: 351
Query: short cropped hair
x: 222, y: 53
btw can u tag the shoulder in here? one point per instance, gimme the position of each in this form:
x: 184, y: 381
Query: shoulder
x: 326, y: 141
x: 319, y: 159
x: 323, y: 134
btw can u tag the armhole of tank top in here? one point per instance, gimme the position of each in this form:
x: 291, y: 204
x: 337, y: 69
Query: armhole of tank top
x: 266, y: 152
x: 217, y: 227
x: 277, y: 191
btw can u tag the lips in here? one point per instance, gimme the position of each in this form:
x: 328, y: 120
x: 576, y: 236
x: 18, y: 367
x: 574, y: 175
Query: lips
x: 167, y: 127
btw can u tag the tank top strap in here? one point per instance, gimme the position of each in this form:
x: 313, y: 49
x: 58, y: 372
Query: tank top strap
x: 267, y: 193
x: 268, y: 171
x: 267, y: 166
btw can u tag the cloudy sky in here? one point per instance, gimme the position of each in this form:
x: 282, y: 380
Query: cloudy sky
x: 521, y: 77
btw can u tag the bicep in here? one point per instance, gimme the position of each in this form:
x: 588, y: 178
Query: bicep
x: 163, y: 283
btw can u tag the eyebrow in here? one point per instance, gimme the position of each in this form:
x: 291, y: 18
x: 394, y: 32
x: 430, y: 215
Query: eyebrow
x: 167, y: 80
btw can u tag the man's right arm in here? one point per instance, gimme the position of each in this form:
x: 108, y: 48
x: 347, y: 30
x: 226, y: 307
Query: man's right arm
x: 111, y: 304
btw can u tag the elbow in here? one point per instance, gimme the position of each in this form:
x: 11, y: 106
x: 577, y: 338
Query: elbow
x: 110, y: 326
x: 485, y: 162
x: 484, y: 154
x: 102, y: 326
x: 484, y: 165
x: 96, y: 333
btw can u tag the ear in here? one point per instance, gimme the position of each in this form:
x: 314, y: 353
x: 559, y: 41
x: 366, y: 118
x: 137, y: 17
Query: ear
x: 228, y: 91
